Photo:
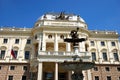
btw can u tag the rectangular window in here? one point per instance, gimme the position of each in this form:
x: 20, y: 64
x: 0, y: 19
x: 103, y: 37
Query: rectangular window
x: 93, y: 56
x: 95, y: 68
x: 108, y: 77
x: 113, y: 43
x: 118, y: 68
x: 12, y: 67
x: 107, y: 68
x: 16, y: 41
x: 102, y: 43
x: 92, y: 43
x: 48, y: 76
x: 62, y: 76
x: 0, y: 67
x: 25, y: 68
x: 2, y: 54
x: 23, y: 77
x: 96, y: 77
x: 104, y: 56
x: 5, y: 40
x: 10, y: 77
x: 28, y: 41
x: 116, y: 56
x: 16, y: 53
x: 27, y: 54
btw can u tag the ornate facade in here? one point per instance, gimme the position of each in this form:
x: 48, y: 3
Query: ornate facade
x: 40, y: 49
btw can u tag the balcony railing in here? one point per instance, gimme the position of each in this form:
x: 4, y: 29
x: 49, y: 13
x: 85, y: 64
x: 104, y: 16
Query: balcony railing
x: 81, y: 54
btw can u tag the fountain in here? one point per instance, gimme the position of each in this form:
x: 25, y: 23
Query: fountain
x: 77, y: 65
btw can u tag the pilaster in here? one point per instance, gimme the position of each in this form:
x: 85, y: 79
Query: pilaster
x: 55, y: 43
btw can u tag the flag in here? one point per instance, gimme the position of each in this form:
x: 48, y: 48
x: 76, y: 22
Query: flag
x: 13, y: 54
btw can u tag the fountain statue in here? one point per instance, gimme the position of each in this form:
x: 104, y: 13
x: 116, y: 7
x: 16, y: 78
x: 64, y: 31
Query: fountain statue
x: 77, y: 65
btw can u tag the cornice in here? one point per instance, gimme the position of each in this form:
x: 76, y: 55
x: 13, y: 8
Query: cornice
x: 15, y: 31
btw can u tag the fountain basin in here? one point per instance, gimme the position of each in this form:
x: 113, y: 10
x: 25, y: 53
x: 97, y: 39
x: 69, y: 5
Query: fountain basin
x: 77, y: 65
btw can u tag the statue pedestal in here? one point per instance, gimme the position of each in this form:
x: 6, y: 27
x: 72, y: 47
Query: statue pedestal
x: 77, y: 75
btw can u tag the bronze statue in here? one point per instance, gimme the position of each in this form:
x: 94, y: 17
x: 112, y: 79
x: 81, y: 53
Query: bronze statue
x: 62, y: 16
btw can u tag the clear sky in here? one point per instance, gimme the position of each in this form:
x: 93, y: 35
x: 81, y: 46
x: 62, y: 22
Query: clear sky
x: 98, y: 14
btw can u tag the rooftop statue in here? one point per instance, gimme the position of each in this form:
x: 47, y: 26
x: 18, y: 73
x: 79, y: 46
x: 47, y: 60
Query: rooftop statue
x: 62, y: 16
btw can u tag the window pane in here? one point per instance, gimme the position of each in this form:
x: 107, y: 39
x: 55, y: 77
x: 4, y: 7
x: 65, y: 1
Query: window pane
x: 108, y: 77
x: 5, y: 40
x: 25, y: 68
x: 104, y: 56
x: 96, y: 77
x: 2, y: 54
x: 0, y: 67
x: 113, y: 43
x: 23, y: 77
x: 62, y: 76
x: 49, y: 76
x: 28, y: 41
x: 95, y: 68
x: 118, y: 68
x: 92, y: 43
x: 93, y: 56
x: 107, y: 68
x: 102, y: 43
x: 16, y: 41
x: 116, y: 57
x: 12, y: 67
x: 16, y: 53
x: 10, y: 78
x: 27, y: 54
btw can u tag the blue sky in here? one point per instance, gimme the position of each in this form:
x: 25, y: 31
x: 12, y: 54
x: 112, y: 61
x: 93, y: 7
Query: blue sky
x: 98, y: 14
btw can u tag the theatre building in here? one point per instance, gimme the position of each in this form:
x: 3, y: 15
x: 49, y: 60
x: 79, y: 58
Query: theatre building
x: 36, y: 53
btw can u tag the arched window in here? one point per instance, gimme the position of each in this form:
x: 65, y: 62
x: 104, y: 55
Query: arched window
x: 86, y: 47
x: 35, y: 36
x: 50, y: 36
x: 62, y: 36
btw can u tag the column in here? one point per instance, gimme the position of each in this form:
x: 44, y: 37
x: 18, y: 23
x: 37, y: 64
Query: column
x: 80, y: 47
x: 83, y: 46
x: 69, y: 75
x: 56, y: 71
x: 39, y: 77
x: 43, y: 43
x: 55, y: 43
x: 68, y: 47
x: 89, y: 76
